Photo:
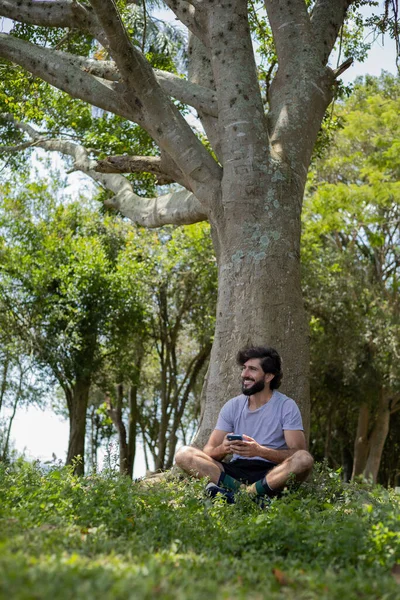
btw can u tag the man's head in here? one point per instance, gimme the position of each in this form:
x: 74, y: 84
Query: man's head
x: 261, y: 365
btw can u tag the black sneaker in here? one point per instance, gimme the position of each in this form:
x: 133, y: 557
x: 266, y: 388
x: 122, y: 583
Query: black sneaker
x: 213, y: 491
x: 262, y: 501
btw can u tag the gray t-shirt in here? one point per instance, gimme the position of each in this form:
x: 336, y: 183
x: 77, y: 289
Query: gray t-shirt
x: 265, y: 424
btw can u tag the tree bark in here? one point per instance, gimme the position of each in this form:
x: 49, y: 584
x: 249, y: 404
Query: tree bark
x: 10, y: 422
x: 259, y: 294
x: 4, y: 378
x: 361, y: 443
x: 378, y: 437
x: 115, y: 413
x: 132, y: 429
x: 94, y: 438
x: 77, y: 400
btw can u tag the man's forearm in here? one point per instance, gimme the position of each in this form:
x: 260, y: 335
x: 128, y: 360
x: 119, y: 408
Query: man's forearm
x: 276, y: 456
x: 217, y: 453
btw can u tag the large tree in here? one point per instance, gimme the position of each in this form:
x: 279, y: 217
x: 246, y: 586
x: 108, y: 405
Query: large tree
x: 249, y: 186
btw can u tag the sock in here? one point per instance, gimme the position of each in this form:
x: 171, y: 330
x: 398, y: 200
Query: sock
x: 228, y: 482
x: 261, y: 488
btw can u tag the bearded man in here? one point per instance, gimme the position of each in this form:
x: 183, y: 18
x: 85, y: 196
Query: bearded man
x: 263, y: 430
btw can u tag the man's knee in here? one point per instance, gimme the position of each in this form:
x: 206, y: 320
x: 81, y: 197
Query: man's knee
x: 184, y: 457
x: 303, y: 461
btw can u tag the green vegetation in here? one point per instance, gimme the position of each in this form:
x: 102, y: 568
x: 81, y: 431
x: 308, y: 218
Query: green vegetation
x: 351, y: 267
x: 103, y: 537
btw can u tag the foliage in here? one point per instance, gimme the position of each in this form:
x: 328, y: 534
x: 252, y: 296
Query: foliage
x: 63, y: 279
x: 72, y: 297
x: 102, y: 536
x: 180, y: 291
x: 56, y: 114
x: 351, y: 264
x: 183, y: 291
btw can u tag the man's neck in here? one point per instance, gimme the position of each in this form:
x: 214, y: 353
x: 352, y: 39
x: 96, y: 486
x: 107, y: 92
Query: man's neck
x: 259, y: 399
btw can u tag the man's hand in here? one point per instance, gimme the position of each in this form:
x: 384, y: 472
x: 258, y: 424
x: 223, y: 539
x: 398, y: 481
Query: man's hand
x: 249, y: 447
x: 218, y: 445
x: 226, y: 445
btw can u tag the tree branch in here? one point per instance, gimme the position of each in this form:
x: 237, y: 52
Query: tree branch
x: 343, y: 67
x: 200, y: 73
x: 178, y: 207
x: 302, y: 87
x: 134, y: 68
x: 141, y: 164
x: 191, y: 16
x: 63, y: 13
x: 201, y: 98
x: 53, y: 67
x: 326, y: 20
x: 161, y: 118
x: 290, y: 24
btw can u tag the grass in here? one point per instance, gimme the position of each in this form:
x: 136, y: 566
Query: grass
x: 103, y: 537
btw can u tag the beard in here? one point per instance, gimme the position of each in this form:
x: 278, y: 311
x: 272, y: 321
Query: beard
x: 258, y: 386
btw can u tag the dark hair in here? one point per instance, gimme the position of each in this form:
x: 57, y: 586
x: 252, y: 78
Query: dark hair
x: 269, y: 359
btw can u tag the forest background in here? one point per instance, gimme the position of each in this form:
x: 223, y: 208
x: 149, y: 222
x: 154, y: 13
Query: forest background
x: 321, y: 395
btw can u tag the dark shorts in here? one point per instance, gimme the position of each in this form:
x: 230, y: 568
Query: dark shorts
x: 248, y: 470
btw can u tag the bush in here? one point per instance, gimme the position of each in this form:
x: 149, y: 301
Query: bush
x: 103, y: 536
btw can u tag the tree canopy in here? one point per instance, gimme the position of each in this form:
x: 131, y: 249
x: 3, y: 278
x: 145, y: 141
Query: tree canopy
x: 351, y: 276
x: 66, y: 288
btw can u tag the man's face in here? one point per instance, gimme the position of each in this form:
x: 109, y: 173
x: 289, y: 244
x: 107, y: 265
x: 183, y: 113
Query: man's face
x: 253, y: 377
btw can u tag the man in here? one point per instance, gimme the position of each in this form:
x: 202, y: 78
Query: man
x: 273, y: 446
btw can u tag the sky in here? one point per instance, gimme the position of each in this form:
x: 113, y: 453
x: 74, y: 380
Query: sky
x: 40, y: 434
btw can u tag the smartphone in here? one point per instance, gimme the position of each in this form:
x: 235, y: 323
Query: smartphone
x: 232, y: 437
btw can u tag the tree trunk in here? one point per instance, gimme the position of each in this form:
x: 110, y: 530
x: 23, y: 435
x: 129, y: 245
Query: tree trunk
x: 123, y: 444
x: 94, y: 438
x: 115, y: 415
x: 4, y: 379
x: 378, y: 437
x: 10, y: 422
x: 361, y: 442
x: 328, y: 435
x: 132, y: 429
x: 146, y: 458
x: 259, y: 294
x: 77, y: 400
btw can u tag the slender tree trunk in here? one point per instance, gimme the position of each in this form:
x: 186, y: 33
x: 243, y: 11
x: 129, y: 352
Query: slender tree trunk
x: 259, y: 295
x: 162, y: 437
x: 4, y: 382
x: 328, y: 436
x: 77, y: 401
x: 347, y: 462
x: 94, y: 439
x: 132, y: 429
x: 146, y: 458
x: 123, y: 444
x: 10, y: 422
x: 361, y: 442
x: 378, y: 437
x: 116, y: 416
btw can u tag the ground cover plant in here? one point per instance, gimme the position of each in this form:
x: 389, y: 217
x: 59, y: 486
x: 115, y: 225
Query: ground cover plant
x: 102, y: 536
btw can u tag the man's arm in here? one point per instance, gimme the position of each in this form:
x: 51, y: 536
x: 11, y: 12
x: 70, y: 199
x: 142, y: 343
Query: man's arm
x: 218, y: 446
x: 295, y: 440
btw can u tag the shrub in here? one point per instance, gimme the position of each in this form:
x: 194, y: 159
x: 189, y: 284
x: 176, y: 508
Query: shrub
x: 103, y: 536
